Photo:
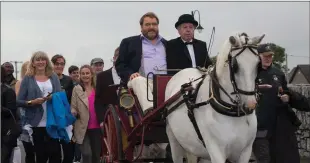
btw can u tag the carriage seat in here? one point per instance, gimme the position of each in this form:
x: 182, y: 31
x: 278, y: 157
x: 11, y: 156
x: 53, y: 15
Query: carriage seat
x: 160, y: 82
x: 159, y: 87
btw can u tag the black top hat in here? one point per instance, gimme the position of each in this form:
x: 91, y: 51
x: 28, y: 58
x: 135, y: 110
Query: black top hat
x: 186, y: 18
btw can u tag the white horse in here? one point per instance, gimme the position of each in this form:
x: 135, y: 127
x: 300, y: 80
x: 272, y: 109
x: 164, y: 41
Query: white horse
x: 228, y: 133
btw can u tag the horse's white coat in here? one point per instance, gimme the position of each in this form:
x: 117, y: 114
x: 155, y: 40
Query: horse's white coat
x: 225, y: 137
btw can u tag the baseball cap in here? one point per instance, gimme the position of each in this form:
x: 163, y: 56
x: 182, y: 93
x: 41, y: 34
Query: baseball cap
x: 96, y: 60
x: 264, y: 49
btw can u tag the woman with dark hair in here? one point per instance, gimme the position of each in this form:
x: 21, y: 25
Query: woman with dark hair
x: 10, y: 129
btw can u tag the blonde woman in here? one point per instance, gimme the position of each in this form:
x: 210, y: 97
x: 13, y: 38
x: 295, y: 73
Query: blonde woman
x: 36, y: 85
x: 22, y: 74
x: 87, y: 131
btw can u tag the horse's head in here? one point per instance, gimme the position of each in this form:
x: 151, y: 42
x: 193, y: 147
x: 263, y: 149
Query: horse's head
x: 236, y: 67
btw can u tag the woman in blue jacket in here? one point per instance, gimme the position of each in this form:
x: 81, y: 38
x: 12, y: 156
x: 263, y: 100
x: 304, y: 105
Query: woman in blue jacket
x: 38, y: 83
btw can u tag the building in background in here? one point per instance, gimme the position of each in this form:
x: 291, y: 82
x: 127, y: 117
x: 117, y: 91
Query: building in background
x: 300, y: 75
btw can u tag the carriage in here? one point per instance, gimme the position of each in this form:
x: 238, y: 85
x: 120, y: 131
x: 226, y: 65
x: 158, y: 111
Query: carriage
x: 125, y: 125
x: 222, y: 123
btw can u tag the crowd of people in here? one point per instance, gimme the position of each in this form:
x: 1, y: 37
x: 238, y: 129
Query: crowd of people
x: 42, y: 77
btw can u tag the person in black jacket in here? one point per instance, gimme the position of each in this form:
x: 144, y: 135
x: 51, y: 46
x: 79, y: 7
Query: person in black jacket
x: 273, y: 108
x: 66, y: 83
x: 299, y: 102
x: 9, y: 79
x: 186, y: 51
x: 140, y: 55
x: 285, y: 140
x: 59, y: 63
x: 10, y: 129
x: 105, y: 95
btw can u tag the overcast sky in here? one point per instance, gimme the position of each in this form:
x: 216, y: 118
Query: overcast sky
x: 84, y: 30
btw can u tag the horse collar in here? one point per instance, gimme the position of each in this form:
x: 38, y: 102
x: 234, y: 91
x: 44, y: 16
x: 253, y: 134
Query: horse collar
x: 221, y: 106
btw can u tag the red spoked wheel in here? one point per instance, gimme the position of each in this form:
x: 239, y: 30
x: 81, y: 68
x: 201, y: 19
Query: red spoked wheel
x: 112, y: 139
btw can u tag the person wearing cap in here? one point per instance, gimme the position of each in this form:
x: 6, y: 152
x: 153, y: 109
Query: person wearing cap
x: 186, y: 51
x: 273, y: 114
x: 97, y: 65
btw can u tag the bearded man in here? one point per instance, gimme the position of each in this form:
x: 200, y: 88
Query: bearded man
x: 140, y: 55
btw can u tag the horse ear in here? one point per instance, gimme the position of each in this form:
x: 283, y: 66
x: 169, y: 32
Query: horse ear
x: 258, y: 39
x: 232, y: 40
x: 244, y: 34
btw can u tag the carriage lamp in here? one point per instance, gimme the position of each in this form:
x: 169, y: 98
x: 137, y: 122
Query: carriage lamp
x: 199, y: 27
x: 126, y: 99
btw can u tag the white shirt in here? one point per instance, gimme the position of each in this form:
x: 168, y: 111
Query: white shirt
x: 191, y: 53
x: 116, y: 78
x: 45, y: 87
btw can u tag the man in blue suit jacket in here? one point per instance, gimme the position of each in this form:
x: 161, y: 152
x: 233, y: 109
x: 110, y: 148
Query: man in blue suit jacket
x: 140, y: 55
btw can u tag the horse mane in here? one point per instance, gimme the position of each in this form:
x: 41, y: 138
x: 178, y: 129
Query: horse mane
x: 222, y: 57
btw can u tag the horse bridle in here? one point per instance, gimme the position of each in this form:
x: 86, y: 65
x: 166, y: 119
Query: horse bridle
x: 233, y: 67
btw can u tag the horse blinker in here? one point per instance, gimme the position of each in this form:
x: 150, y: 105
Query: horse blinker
x: 234, y: 65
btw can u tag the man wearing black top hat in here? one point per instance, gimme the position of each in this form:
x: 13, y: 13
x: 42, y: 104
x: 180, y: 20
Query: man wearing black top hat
x: 186, y: 51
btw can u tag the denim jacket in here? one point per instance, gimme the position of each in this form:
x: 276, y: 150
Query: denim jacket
x: 29, y: 90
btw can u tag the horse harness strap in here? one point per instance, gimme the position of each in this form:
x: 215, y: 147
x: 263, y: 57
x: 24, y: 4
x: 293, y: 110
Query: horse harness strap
x: 214, y: 99
x: 233, y: 67
x: 189, y: 99
x: 192, y: 96
x: 218, y: 85
x: 224, y: 108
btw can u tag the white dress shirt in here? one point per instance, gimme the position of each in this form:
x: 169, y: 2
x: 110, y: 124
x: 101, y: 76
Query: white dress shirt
x: 191, y: 53
x: 116, y: 78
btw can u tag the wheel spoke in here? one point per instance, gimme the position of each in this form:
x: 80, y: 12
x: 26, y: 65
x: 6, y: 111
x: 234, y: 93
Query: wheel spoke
x: 112, y: 128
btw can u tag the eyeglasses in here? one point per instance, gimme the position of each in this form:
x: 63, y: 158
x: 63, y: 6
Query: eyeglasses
x: 59, y: 64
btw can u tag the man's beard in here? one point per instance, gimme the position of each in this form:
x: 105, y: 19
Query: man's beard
x: 148, y: 37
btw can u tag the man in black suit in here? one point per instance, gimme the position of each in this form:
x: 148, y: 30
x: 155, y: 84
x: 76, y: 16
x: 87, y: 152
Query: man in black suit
x: 105, y: 95
x: 186, y: 51
x: 140, y: 55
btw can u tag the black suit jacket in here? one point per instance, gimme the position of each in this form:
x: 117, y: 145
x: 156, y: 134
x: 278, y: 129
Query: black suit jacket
x: 129, y: 60
x: 104, y: 95
x: 178, y: 56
